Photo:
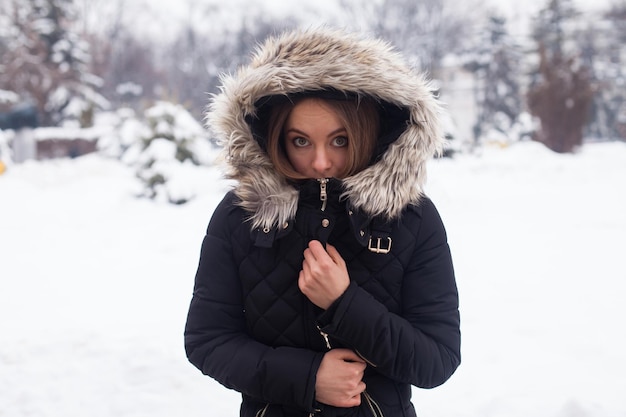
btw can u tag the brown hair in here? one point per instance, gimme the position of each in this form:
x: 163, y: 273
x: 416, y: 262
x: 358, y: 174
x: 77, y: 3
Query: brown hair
x: 360, y: 118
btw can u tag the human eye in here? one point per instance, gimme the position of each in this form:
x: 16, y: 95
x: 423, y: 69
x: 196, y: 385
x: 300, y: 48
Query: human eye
x: 300, y: 142
x: 340, y: 141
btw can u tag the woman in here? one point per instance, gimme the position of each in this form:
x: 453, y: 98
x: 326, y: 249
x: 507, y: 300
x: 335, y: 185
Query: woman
x: 325, y: 285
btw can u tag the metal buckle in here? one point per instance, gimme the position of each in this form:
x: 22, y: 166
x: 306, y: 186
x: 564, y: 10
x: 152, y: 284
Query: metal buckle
x: 378, y: 248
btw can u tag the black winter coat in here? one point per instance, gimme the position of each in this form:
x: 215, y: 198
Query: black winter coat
x: 252, y: 329
x: 249, y: 326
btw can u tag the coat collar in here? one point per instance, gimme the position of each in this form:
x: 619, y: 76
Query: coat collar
x: 363, y: 227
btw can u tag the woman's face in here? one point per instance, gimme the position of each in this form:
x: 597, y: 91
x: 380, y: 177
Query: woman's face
x: 315, y: 139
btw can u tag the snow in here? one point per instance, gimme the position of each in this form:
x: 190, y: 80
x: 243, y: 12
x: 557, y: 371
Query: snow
x: 8, y: 97
x: 95, y: 285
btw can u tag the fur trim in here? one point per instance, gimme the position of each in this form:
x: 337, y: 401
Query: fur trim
x: 317, y: 59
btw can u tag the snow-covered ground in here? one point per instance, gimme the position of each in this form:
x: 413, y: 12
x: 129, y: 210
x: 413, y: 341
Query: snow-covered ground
x: 95, y: 284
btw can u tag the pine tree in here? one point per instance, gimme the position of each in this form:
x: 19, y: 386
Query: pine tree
x: 617, y: 70
x: 604, y: 50
x: 495, y: 63
x: 47, y: 62
x: 196, y: 59
x: 173, y: 142
x: 425, y: 31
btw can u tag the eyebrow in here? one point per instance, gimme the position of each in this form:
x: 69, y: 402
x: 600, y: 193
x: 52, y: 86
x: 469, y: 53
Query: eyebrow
x: 300, y: 132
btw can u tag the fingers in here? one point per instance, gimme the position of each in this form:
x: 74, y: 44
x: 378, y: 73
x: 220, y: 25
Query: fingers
x: 317, y: 253
x: 350, y: 400
x: 322, y: 279
x: 334, y: 255
x: 340, y: 379
x: 316, y: 248
x: 348, y: 355
x: 316, y: 259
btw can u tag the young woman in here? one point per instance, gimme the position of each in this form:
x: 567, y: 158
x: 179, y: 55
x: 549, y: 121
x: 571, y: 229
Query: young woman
x: 325, y: 284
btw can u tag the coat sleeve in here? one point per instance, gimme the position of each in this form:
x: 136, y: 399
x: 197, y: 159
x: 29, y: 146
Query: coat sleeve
x: 216, y: 337
x: 420, y: 346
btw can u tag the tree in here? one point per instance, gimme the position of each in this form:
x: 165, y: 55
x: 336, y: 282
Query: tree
x: 617, y: 18
x: 604, y: 49
x: 196, y: 58
x: 495, y: 63
x: 130, y: 73
x: 561, y: 92
x: 173, y: 142
x: 561, y: 101
x: 48, y: 63
x: 425, y: 31
x: 45, y: 62
x: 125, y: 62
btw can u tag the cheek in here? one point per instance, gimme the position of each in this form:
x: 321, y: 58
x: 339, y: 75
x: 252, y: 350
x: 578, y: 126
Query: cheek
x: 341, y: 158
x: 297, y: 159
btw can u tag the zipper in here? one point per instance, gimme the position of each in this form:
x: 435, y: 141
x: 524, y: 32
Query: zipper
x: 317, y: 410
x: 323, y: 193
x: 373, y: 405
x: 262, y: 411
x: 360, y: 355
x: 325, y: 337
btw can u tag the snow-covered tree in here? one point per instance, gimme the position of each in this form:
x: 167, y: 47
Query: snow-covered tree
x: 425, y: 31
x: 197, y: 56
x: 173, y: 144
x: 617, y: 111
x: 46, y: 61
x: 131, y: 76
x: 124, y: 131
x: 561, y: 91
x: 495, y: 63
x: 604, y: 50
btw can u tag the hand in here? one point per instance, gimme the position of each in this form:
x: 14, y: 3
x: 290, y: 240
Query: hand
x: 324, y: 276
x: 340, y: 379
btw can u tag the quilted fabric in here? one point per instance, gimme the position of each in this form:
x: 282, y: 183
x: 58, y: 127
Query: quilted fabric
x: 249, y: 326
x: 276, y: 315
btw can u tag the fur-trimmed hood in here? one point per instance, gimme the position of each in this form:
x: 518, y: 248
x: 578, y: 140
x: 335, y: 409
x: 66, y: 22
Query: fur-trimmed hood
x: 321, y: 60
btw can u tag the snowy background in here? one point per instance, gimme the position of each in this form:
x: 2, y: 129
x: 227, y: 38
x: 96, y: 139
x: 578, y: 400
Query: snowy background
x: 95, y: 285
x: 95, y: 280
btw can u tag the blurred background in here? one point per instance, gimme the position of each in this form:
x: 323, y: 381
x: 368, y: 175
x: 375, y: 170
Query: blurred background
x: 551, y: 71
x: 108, y: 180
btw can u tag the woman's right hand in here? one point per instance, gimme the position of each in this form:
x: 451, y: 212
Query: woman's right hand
x: 340, y: 379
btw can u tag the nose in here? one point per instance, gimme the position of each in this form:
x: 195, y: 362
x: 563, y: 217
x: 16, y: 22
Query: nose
x: 322, y: 161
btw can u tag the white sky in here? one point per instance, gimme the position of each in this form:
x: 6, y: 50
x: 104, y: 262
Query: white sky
x: 162, y: 17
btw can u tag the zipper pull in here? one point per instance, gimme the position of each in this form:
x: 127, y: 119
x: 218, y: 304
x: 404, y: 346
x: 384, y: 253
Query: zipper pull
x: 325, y: 337
x: 323, y: 194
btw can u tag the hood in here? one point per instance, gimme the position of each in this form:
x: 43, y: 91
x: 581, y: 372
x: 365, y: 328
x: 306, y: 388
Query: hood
x: 318, y: 60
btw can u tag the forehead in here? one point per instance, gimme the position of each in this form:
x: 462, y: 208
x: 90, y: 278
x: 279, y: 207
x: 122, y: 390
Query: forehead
x: 313, y: 110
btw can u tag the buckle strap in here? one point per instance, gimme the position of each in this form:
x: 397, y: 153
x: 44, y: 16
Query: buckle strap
x: 380, y: 246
